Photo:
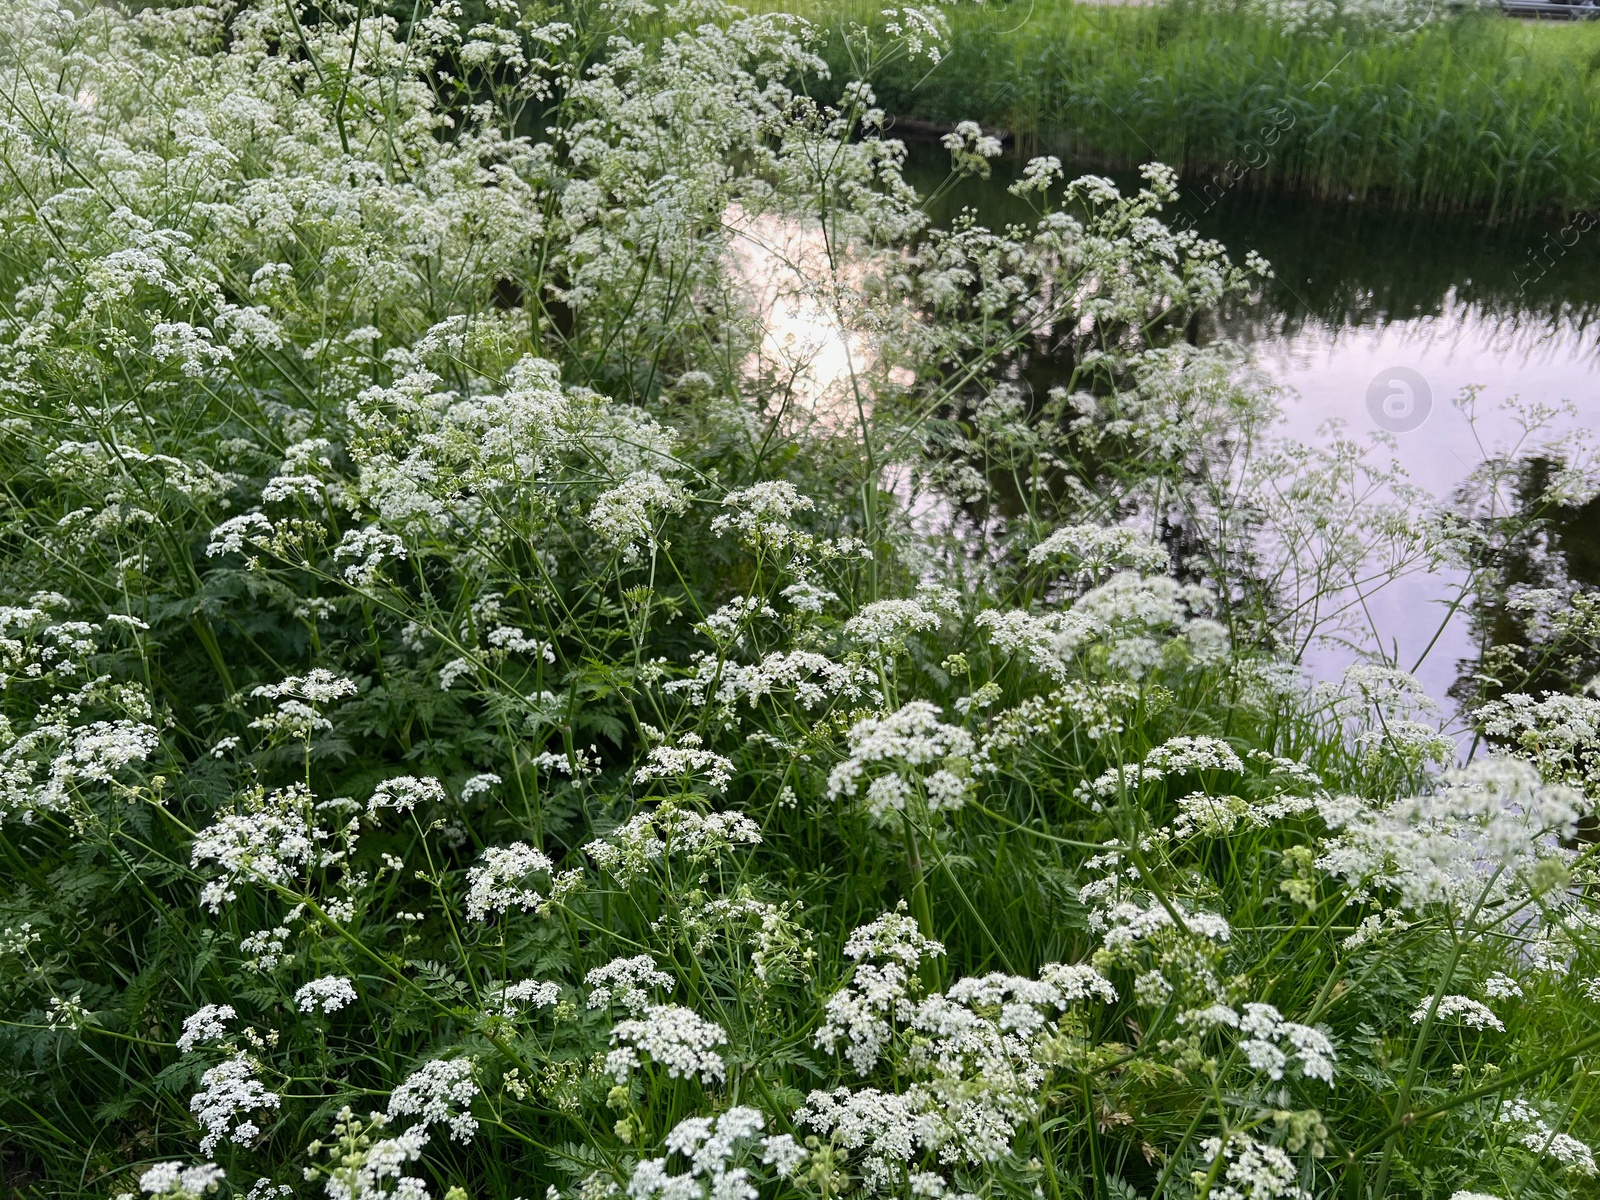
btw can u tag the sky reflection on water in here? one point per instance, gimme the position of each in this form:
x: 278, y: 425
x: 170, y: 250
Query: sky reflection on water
x: 1367, y: 303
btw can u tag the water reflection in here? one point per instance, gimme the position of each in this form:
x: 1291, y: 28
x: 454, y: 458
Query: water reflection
x: 1374, y: 318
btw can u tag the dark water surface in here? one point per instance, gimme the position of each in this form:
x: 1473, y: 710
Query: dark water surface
x: 1380, y: 321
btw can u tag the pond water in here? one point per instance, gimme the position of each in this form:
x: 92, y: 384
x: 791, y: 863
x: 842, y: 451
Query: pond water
x: 1380, y: 321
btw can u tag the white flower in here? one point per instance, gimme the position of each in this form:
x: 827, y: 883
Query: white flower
x: 271, y: 839
x: 174, y: 1181
x: 813, y: 678
x: 404, y: 792
x: 893, y: 936
x: 625, y: 516
x: 1464, y: 1008
x: 881, y: 1129
x: 495, y: 887
x: 1501, y: 987
x: 711, y: 1145
x: 761, y: 512
x: 624, y: 980
x: 330, y: 994
x: 1093, y: 549
x: 437, y: 1092
x: 1565, y: 1149
x: 317, y: 686
x: 1254, y: 1171
x: 228, y: 1091
x: 684, y: 761
x: 1142, y: 623
x: 1126, y: 923
x: 1174, y: 757
x: 234, y: 534
x: 452, y: 671
x: 967, y: 136
x: 361, y: 1166
x: 783, y: 1154
x: 1038, y: 175
x: 505, y: 1000
x: 630, y: 850
x: 1484, y: 832
x: 912, y: 736
x: 479, y: 785
x: 887, y: 622
x: 371, y: 547
x: 1537, y: 1135
x: 676, y: 1038
x: 206, y: 1025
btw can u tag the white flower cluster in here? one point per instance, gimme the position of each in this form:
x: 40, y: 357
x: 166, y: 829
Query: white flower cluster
x: 404, y: 793
x: 1091, y: 550
x: 1176, y: 756
x: 205, y: 1025
x: 729, y: 626
x: 329, y: 994
x: 496, y: 886
x: 272, y: 838
x: 676, y: 1038
x: 624, y: 980
x: 301, y: 701
x: 228, y: 1092
x: 778, y: 945
x: 683, y: 762
x: 884, y: 624
x: 974, y: 1054
x: 1139, y: 623
x: 1269, y: 1042
x: 362, y: 1167
x: 887, y: 953
x: 1483, y: 832
x: 439, y: 1092
x: 43, y: 769
x: 649, y: 839
x: 1126, y: 923
x: 507, y: 999
x: 968, y: 137
x: 712, y: 1145
x: 1559, y: 734
x: 174, y: 1181
x: 1253, y: 1171
x: 626, y: 516
x: 760, y: 513
x: 1464, y: 1009
x: 813, y: 678
x: 912, y: 736
x: 1499, y: 986
x: 1535, y: 1133
x: 1172, y: 946
x: 1204, y: 815
x: 370, y: 548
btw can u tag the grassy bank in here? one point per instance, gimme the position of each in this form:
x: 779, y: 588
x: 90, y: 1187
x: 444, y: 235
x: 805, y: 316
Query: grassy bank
x: 492, y: 708
x: 1475, y: 112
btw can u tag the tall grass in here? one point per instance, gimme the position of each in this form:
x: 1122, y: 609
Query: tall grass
x: 1474, y: 111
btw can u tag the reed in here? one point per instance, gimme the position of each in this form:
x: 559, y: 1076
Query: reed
x: 1474, y: 111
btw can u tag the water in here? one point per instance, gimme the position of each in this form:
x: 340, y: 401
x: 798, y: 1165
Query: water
x: 1380, y: 321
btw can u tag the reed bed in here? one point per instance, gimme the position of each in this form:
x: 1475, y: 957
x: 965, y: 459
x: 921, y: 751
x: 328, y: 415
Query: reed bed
x: 1472, y: 111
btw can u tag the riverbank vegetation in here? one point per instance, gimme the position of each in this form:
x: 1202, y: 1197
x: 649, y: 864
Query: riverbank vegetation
x: 1416, y: 107
x: 621, y: 661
